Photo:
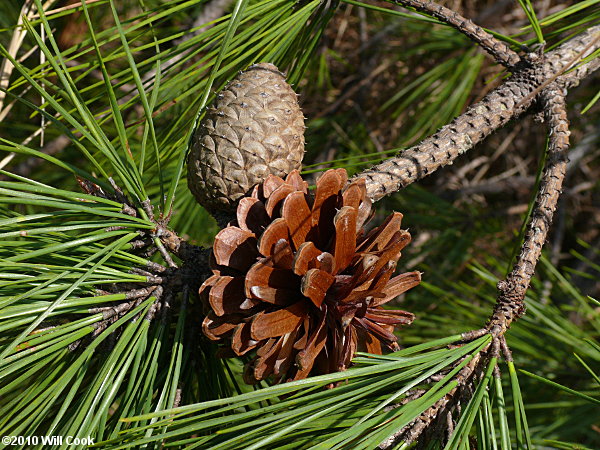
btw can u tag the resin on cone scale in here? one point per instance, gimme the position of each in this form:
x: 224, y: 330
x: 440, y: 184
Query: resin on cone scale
x: 254, y: 128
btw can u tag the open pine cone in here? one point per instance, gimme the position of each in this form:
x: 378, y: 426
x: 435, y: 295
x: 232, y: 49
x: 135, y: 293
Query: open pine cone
x: 299, y: 281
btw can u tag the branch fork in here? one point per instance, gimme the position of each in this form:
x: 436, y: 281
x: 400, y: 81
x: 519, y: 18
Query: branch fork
x: 536, y: 78
x: 163, y: 282
x: 510, y: 303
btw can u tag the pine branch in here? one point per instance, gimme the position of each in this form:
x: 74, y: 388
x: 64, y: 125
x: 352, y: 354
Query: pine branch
x: 544, y: 80
x: 510, y: 304
x: 505, y: 103
x: 440, y: 409
x: 499, y: 50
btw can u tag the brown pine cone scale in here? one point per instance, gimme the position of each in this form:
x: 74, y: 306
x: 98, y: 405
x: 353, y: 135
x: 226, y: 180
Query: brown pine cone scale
x: 297, y: 279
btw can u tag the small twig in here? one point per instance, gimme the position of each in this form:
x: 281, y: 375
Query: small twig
x: 155, y: 267
x: 118, y: 195
x: 505, y: 350
x: 153, y: 279
x: 164, y: 253
x: 159, y: 306
x: 499, y: 50
x: 150, y: 252
x: 134, y: 244
x: 472, y: 335
x: 449, y: 425
x: 129, y: 210
x: 110, y: 311
x: 496, y: 372
x: 177, y: 399
x: 139, y: 271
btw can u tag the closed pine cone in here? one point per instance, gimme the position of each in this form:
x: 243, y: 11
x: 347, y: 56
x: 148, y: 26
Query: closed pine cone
x: 254, y: 128
x: 297, y: 279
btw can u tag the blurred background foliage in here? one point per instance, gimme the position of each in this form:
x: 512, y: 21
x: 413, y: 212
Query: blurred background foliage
x: 373, y: 78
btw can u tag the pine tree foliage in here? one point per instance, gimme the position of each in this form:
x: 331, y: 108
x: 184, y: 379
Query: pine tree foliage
x: 84, y: 348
